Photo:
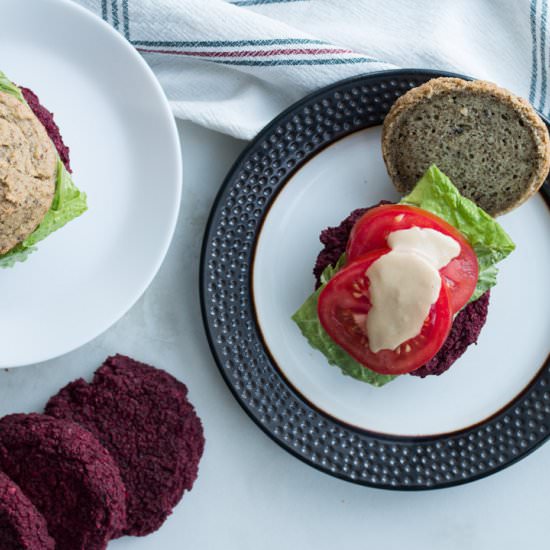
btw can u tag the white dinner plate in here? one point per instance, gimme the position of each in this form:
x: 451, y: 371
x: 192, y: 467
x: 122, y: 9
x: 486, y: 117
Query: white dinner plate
x: 511, y: 348
x: 125, y: 155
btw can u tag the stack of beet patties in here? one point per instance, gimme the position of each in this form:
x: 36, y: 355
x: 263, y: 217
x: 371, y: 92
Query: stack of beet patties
x: 109, y: 458
x: 67, y: 475
x: 142, y: 417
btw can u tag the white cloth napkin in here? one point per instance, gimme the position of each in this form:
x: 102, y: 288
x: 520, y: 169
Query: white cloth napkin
x: 234, y: 65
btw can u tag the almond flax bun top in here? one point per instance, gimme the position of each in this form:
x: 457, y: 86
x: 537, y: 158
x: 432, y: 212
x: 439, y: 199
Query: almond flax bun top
x: 491, y: 143
x: 28, y: 168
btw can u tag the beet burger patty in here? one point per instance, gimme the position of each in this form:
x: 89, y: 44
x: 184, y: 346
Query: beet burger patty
x: 142, y: 416
x: 46, y: 118
x: 22, y: 527
x: 68, y: 475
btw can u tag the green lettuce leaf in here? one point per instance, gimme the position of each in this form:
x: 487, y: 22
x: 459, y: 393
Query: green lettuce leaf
x: 68, y: 202
x: 307, y: 320
x: 435, y: 193
x: 9, y: 87
x: 18, y: 253
x: 331, y: 270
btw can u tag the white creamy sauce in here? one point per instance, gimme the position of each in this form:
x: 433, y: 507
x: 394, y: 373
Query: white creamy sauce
x: 405, y: 283
x: 437, y: 248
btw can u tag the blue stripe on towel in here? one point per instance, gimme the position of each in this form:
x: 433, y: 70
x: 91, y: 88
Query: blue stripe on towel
x: 114, y: 9
x: 534, y: 51
x: 260, y: 2
x: 291, y: 62
x: 126, y: 19
x: 543, y: 31
x: 226, y: 43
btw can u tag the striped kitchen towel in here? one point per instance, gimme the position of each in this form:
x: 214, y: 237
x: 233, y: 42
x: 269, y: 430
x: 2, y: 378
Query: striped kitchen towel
x: 233, y: 65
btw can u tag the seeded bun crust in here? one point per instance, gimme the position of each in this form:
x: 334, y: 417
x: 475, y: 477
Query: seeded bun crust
x: 491, y: 143
x: 28, y: 168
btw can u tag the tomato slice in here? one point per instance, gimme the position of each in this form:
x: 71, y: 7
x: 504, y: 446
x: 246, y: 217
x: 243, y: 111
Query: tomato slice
x: 372, y: 229
x: 343, y: 308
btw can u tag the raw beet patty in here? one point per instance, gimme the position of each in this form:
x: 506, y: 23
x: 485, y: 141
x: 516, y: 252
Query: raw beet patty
x: 70, y: 478
x: 465, y: 331
x: 142, y: 416
x: 22, y: 527
x: 47, y: 120
x: 335, y: 240
x: 466, y: 326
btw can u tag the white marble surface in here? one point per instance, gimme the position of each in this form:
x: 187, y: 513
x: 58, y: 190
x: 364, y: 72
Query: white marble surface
x: 252, y: 495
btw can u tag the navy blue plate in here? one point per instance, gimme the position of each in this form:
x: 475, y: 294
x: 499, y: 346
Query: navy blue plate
x: 347, y: 452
